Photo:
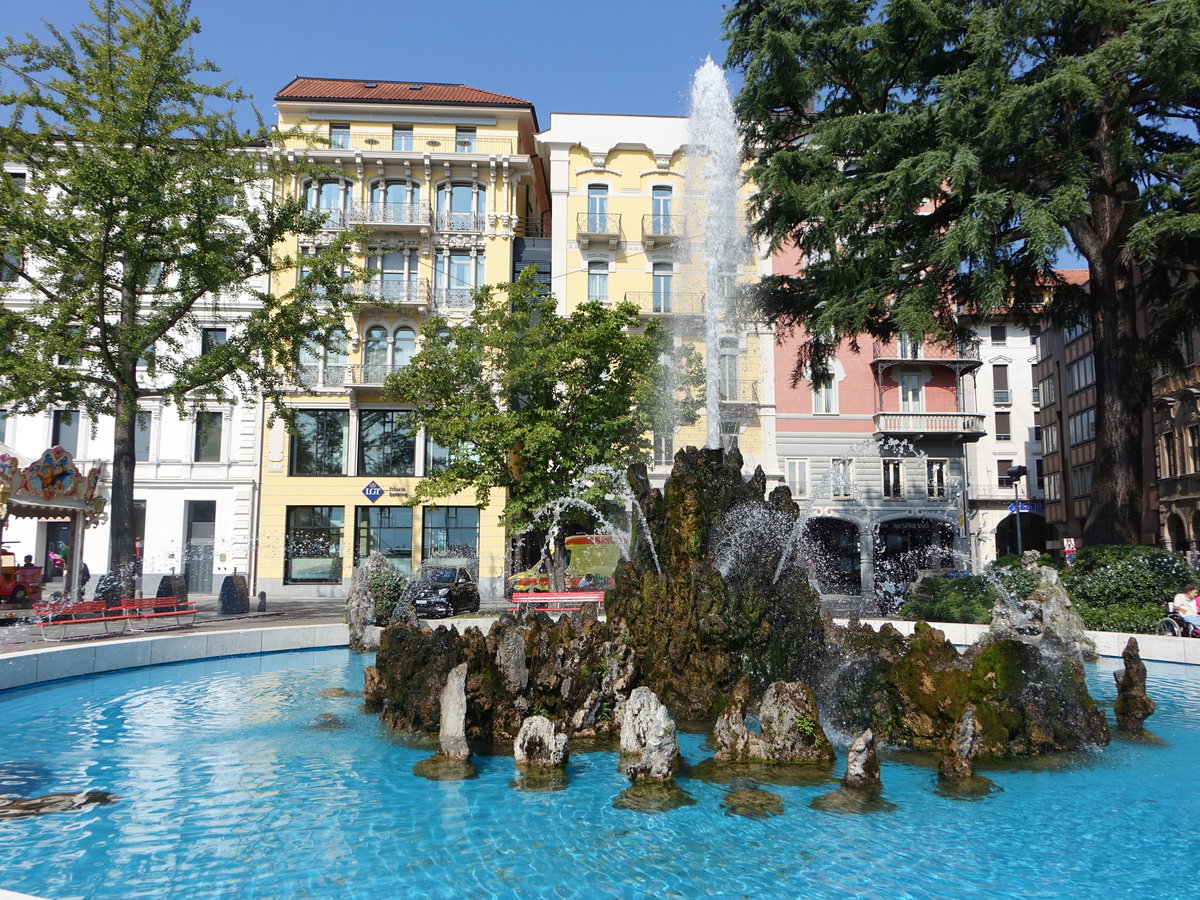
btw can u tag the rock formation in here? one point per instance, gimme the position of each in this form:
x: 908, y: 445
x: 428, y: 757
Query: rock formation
x: 452, y: 735
x: 1044, y: 618
x: 539, y: 743
x: 789, y: 727
x: 964, y: 745
x: 862, y: 763
x: 649, y: 745
x: 1132, y: 707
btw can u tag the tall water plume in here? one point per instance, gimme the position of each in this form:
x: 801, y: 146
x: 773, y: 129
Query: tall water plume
x: 716, y: 227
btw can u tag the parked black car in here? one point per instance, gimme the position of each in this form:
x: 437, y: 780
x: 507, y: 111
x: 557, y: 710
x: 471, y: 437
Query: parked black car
x: 444, y: 590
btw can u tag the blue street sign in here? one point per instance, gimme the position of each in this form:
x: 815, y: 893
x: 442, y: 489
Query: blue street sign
x: 372, y: 491
x: 1027, y: 507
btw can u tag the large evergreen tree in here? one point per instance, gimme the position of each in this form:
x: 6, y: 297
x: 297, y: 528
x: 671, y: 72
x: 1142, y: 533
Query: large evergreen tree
x: 144, y: 214
x: 940, y: 157
x: 528, y: 401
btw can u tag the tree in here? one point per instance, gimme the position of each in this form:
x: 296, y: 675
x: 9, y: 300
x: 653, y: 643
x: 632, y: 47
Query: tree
x: 932, y: 159
x: 144, y: 214
x: 526, y: 400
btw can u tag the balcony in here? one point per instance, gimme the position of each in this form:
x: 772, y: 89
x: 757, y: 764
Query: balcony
x: 316, y: 377
x: 1002, y: 397
x: 418, y: 143
x: 598, y: 227
x: 399, y: 216
x: 460, y: 222
x: 397, y: 293
x: 670, y: 306
x: 963, y: 357
x: 454, y: 301
x: 737, y: 390
x: 965, y: 426
x: 660, y: 230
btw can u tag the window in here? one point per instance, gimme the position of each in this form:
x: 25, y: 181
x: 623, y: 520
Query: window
x: 1169, y: 463
x: 999, y: 335
x: 64, y: 430
x: 331, y: 196
x: 386, y: 530
x: 1193, y: 432
x: 1053, y: 486
x: 1049, y: 391
x: 318, y: 443
x: 396, y: 202
x: 1082, y: 427
x: 824, y: 396
x: 796, y: 472
x: 1035, y: 332
x: 313, y: 545
x: 11, y: 264
x: 728, y: 383
x: 141, y: 436
x: 912, y: 397
x: 598, y: 281
x: 661, y: 221
x: 1003, y: 426
x: 324, y: 365
x: 935, y: 477
x: 460, y: 206
x: 1075, y: 331
x: 1002, y: 477
x: 385, y: 447
x: 339, y: 137
x: 1081, y: 481
x: 893, y: 479
x: 450, y: 531
x: 841, y: 478
x: 1044, y: 344
x: 3, y: 426
x: 437, y: 457
x: 664, y: 448
x: 456, y: 274
x: 597, y: 207
x: 1001, y: 395
x: 211, y: 338
x: 464, y: 139
x: 1039, y: 474
x: 1036, y: 431
x: 208, y: 437
x: 1080, y: 374
x: 393, y: 275
x: 662, y: 278
x: 908, y: 347
x: 402, y: 138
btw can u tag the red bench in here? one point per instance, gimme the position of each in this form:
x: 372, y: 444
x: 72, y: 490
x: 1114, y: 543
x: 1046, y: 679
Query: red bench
x: 145, y: 611
x: 563, y: 601
x: 65, y: 613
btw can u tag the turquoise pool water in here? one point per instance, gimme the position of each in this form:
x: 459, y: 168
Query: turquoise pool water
x: 228, y: 788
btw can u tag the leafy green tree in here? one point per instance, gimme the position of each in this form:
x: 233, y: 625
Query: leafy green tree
x: 144, y: 214
x: 935, y: 158
x: 526, y: 400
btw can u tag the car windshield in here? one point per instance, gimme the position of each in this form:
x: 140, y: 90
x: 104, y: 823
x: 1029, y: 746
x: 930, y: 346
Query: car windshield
x: 437, y: 575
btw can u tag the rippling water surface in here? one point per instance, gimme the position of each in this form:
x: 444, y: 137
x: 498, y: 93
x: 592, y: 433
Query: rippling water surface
x: 252, y: 777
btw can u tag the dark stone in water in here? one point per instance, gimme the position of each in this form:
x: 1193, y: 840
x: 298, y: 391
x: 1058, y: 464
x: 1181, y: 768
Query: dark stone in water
x: 854, y: 801
x: 27, y: 807
x: 653, y: 797
x: 752, y: 803
x: 443, y: 768
x: 970, y: 787
x: 1132, y: 706
x: 330, y: 722
x: 541, y: 780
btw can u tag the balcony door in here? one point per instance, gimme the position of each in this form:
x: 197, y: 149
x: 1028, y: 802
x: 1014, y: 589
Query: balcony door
x: 201, y: 535
x: 660, y: 208
x: 598, y: 208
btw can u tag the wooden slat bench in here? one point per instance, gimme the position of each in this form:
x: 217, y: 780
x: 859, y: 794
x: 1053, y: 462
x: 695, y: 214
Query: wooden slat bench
x: 63, y: 614
x: 143, y: 612
x: 557, y: 601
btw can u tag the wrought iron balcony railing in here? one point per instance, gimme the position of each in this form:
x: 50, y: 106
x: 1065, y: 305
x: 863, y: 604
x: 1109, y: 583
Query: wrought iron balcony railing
x: 737, y: 390
x: 598, y: 226
x: 893, y: 352
x: 412, y: 142
x: 460, y: 221
x: 416, y: 214
x: 661, y: 229
x: 657, y: 303
x: 369, y: 374
x: 1002, y: 397
x: 414, y: 292
x: 454, y: 300
x: 316, y: 376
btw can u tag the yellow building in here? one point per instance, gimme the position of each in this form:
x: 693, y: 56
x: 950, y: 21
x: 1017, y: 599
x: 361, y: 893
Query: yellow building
x: 446, y: 179
x: 625, y: 227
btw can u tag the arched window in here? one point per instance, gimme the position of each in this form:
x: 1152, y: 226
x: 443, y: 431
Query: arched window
x: 375, y: 355
x: 331, y: 196
x: 404, y: 344
x: 397, y: 202
x: 460, y: 206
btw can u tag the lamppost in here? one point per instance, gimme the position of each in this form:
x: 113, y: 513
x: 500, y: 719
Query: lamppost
x: 1015, y: 474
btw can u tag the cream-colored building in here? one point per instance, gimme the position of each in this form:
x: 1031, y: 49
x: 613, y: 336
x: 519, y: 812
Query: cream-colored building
x: 445, y: 178
x: 624, y: 228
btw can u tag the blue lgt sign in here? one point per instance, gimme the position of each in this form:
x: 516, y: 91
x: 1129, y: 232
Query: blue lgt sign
x: 372, y: 491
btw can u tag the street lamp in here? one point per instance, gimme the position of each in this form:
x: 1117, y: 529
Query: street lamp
x: 1015, y: 474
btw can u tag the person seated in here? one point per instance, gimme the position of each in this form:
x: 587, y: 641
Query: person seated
x: 1184, y: 605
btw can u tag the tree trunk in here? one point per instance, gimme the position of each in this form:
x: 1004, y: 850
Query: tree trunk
x: 1115, y: 510
x: 120, y: 531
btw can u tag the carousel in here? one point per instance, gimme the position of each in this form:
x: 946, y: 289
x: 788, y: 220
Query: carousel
x: 49, y: 488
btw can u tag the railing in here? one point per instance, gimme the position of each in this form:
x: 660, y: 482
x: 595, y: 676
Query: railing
x: 333, y: 218
x: 934, y: 353
x: 1002, y: 397
x: 370, y: 373
x: 737, y: 390
x: 532, y: 227
x: 673, y: 304
x: 661, y: 228
x: 460, y: 221
x: 315, y: 376
x: 389, y: 213
x: 418, y: 142
x: 454, y: 299
x: 598, y: 223
x: 929, y: 423
x: 416, y: 292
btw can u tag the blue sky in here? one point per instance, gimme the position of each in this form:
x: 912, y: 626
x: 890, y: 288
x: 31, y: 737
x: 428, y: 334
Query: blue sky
x: 562, y: 55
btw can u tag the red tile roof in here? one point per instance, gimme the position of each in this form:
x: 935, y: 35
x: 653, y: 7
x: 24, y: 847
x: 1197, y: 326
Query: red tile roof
x: 361, y: 89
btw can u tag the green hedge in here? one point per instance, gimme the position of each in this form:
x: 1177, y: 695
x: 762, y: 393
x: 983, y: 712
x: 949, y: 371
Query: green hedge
x: 1136, y: 618
x: 1126, y: 575
x: 968, y: 599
